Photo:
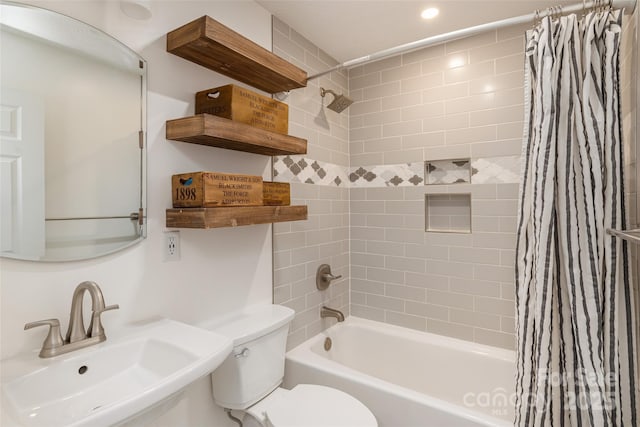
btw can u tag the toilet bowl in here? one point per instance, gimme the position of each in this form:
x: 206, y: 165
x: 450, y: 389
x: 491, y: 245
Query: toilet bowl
x: 249, y: 379
x: 309, y: 405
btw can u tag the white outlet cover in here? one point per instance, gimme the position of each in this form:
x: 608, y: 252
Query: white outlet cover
x: 171, y: 247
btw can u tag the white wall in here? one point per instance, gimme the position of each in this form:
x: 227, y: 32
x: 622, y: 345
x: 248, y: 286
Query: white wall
x: 219, y: 271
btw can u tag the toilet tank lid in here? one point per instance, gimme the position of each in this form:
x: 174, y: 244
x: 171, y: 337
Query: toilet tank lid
x: 251, y: 323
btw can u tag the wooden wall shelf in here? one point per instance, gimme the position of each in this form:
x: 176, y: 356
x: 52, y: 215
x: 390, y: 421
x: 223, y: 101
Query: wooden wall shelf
x: 233, y: 216
x: 207, y: 42
x: 207, y: 129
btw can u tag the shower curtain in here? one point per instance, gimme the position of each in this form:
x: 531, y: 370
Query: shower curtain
x: 575, y: 344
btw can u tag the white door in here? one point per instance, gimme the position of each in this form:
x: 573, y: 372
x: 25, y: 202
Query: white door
x: 22, y: 231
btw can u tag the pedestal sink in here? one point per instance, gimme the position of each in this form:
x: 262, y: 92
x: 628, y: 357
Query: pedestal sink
x: 111, y: 382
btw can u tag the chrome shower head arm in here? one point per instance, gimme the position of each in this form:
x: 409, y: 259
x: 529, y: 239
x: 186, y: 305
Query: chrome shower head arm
x: 324, y: 91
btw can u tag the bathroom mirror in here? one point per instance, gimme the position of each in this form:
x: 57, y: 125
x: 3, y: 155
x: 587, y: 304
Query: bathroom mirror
x: 72, y: 138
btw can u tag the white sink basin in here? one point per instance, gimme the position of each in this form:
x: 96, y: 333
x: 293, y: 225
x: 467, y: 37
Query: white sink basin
x: 109, y: 382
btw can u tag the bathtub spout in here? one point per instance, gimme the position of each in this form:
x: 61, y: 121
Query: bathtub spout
x: 330, y: 312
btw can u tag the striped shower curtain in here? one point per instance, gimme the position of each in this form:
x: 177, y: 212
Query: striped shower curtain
x: 575, y: 344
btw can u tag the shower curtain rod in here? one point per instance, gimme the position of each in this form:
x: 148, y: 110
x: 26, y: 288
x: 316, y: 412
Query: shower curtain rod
x: 628, y: 5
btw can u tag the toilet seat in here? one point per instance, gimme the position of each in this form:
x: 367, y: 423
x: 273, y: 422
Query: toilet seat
x: 310, y: 405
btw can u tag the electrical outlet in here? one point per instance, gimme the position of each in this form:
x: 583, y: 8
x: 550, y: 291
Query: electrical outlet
x: 172, y: 246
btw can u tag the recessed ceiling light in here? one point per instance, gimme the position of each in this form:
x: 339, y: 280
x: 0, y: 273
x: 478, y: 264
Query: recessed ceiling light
x: 430, y: 13
x: 136, y: 9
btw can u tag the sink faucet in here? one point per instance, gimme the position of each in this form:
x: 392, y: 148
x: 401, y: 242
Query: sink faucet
x: 77, y: 336
x: 77, y: 331
x: 330, y: 312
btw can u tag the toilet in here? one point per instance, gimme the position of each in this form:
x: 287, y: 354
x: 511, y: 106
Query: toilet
x: 250, y: 377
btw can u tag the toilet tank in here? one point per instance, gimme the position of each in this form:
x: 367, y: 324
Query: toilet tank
x: 255, y: 367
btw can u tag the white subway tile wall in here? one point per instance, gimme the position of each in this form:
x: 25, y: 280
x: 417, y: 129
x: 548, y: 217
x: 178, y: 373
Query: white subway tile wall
x: 629, y: 64
x: 629, y: 88
x: 318, y: 180
x: 463, y: 99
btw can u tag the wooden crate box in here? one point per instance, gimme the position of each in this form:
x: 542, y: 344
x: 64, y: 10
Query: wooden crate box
x: 244, y: 106
x: 214, y: 189
x: 276, y: 193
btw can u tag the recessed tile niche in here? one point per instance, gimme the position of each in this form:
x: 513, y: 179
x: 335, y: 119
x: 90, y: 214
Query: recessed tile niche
x: 448, y: 213
x: 450, y: 171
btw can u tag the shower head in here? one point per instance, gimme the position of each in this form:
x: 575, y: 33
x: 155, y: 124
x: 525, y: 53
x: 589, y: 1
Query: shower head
x: 339, y: 103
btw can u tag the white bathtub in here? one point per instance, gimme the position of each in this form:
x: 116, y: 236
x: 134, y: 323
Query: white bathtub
x: 409, y: 378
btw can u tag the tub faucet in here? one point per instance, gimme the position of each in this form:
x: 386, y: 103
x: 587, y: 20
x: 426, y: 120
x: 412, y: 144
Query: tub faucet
x: 77, y: 336
x: 330, y: 312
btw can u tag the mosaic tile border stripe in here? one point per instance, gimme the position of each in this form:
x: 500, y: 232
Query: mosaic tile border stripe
x: 404, y: 175
x: 300, y: 169
x: 495, y: 170
x: 308, y: 171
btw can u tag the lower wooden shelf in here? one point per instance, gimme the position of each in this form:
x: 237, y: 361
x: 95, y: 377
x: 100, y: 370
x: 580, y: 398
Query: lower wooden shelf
x: 233, y: 216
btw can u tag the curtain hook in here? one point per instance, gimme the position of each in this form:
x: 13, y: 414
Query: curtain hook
x: 548, y: 13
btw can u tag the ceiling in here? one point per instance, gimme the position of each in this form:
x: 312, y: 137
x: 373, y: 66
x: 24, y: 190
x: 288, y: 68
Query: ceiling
x: 349, y: 29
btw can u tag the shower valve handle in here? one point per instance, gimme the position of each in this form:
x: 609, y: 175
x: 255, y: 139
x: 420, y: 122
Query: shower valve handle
x: 324, y: 277
x: 329, y: 277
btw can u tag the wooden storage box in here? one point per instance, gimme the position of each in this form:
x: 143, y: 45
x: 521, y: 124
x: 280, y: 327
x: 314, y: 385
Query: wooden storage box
x: 276, y: 193
x: 244, y: 106
x: 214, y: 189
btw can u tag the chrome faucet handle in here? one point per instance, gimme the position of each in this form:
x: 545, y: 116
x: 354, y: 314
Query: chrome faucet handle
x: 54, y: 337
x: 95, y: 327
x: 324, y: 277
x: 329, y: 277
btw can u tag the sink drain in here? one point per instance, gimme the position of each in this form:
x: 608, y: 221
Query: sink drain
x: 82, y: 369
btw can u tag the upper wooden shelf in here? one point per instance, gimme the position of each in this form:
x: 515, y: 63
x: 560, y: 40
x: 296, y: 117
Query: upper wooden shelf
x: 207, y: 129
x: 233, y: 216
x: 207, y: 42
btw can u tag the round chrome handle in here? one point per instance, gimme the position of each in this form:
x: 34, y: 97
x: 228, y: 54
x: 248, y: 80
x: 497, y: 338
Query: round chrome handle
x: 243, y: 353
